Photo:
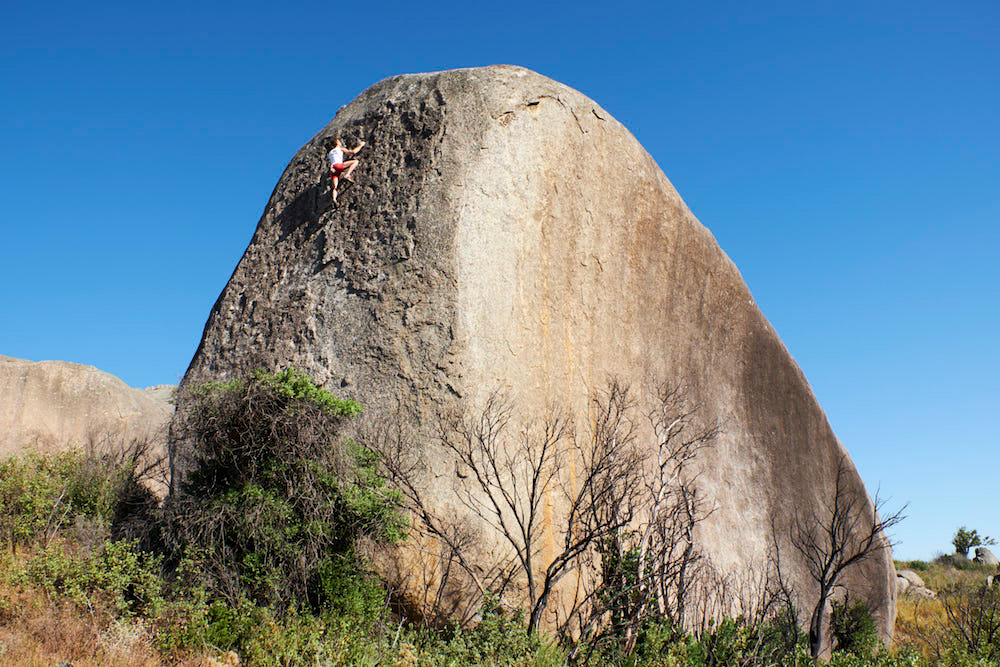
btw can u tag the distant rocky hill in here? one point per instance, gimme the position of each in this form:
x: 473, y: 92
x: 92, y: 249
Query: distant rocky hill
x: 50, y: 406
x: 506, y: 232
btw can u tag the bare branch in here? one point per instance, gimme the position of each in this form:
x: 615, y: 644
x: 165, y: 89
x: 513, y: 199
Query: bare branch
x: 846, y: 531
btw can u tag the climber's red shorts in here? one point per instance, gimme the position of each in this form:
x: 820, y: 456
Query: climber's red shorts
x: 337, y: 169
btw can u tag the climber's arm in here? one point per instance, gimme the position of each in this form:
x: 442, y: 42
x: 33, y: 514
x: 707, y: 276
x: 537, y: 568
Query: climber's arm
x: 352, y: 151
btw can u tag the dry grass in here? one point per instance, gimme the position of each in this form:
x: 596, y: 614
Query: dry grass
x: 922, y: 622
x: 37, y: 632
x: 938, y: 576
x: 918, y: 621
x: 34, y: 631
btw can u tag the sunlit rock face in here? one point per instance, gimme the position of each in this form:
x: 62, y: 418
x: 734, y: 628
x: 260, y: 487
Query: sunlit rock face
x: 53, y: 406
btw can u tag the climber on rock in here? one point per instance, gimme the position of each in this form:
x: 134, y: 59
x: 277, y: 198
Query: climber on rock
x: 339, y: 168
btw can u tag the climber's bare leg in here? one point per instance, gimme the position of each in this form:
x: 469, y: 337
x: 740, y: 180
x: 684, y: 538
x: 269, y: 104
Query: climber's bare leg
x: 334, y: 180
x: 351, y: 166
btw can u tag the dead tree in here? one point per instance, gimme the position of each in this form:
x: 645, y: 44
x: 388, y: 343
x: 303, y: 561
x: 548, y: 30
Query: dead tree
x: 649, y: 570
x: 624, y: 521
x: 404, y: 466
x: 667, y: 548
x: 845, y: 531
x: 508, y: 478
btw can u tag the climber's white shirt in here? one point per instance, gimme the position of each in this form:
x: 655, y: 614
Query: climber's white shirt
x: 336, y: 156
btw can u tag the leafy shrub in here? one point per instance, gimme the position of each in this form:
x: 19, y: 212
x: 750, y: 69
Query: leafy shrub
x: 737, y: 641
x: 256, y: 633
x: 119, y: 575
x: 853, y: 629
x: 40, y: 495
x: 500, y: 638
x: 276, y: 498
x: 722, y: 644
x: 131, y: 579
x: 901, y: 658
x: 43, y: 495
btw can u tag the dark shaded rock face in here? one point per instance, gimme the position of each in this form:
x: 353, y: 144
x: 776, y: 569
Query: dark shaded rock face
x: 487, y: 243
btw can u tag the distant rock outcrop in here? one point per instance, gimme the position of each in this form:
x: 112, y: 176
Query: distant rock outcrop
x: 985, y: 557
x: 506, y: 232
x: 51, y: 406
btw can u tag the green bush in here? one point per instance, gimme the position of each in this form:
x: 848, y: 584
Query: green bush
x: 131, y: 579
x: 256, y: 633
x: 853, y: 629
x: 901, y: 658
x: 735, y: 641
x: 125, y: 579
x: 40, y: 496
x: 276, y: 498
x: 500, y: 638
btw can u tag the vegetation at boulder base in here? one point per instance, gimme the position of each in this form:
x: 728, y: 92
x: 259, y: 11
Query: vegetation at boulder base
x: 276, y: 501
x: 261, y: 558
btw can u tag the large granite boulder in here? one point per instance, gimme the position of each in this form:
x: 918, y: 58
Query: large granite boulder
x: 52, y: 406
x: 506, y: 232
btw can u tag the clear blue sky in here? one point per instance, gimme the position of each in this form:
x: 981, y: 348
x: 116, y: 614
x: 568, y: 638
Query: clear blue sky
x: 846, y: 156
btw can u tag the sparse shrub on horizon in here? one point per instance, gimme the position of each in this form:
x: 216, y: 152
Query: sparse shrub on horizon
x: 915, y: 565
x: 965, y: 539
x: 958, y: 562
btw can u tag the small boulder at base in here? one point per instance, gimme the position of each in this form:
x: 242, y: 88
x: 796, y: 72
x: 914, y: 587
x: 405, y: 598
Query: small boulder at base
x: 910, y: 584
x: 985, y: 557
